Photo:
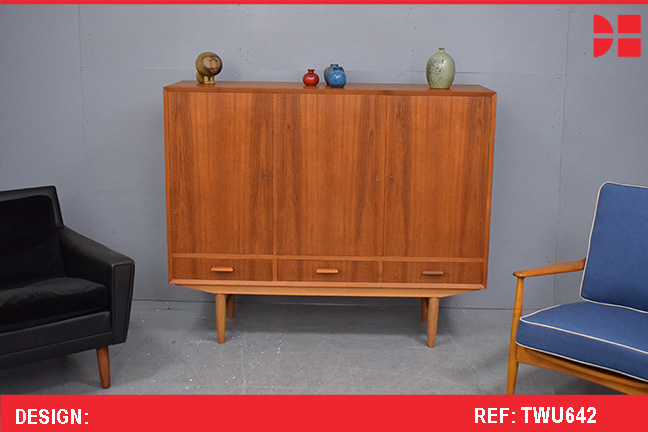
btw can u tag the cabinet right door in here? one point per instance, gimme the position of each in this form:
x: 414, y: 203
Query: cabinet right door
x: 438, y: 176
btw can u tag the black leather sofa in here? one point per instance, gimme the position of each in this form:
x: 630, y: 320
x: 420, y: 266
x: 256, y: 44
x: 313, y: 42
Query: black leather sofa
x: 60, y: 292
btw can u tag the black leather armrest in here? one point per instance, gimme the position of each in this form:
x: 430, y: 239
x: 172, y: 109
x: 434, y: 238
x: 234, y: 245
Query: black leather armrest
x: 87, y: 259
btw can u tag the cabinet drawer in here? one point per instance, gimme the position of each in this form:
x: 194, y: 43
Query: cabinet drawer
x: 222, y: 269
x: 434, y: 272
x: 328, y: 271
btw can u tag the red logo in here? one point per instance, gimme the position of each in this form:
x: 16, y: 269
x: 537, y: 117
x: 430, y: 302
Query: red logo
x: 626, y: 25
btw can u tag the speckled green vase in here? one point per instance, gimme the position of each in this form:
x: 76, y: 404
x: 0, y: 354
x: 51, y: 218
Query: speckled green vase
x: 440, y: 70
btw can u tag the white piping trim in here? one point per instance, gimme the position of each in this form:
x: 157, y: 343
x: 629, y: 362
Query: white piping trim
x: 584, y: 362
x: 615, y: 305
x: 585, y: 336
x: 541, y: 310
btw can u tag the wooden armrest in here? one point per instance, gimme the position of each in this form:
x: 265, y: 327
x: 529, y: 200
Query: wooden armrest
x: 555, y: 268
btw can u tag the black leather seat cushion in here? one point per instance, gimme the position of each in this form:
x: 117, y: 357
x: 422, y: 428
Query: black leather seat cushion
x: 48, y: 301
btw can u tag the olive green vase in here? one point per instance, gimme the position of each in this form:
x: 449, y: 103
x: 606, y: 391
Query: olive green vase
x: 440, y: 70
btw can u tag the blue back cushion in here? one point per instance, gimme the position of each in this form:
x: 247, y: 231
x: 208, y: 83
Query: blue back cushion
x: 616, y: 271
x: 29, y: 243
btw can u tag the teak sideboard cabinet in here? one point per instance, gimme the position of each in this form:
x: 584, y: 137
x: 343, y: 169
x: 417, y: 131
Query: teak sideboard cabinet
x: 379, y: 190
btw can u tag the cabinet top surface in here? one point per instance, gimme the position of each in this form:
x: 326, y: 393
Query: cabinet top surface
x: 351, y: 88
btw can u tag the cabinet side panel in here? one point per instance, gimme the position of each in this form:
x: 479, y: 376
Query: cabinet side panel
x: 219, y: 172
x: 167, y: 179
x: 438, y: 156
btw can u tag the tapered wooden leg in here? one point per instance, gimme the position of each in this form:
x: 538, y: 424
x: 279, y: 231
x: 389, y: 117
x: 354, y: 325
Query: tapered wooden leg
x: 512, y: 376
x: 103, y: 360
x: 424, y: 308
x: 221, y: 316
x: 231, y: 306
x: 432, y: 318
x: 513, y: 348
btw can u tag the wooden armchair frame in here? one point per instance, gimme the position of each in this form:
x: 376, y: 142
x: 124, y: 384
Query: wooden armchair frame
x: 519, y: 354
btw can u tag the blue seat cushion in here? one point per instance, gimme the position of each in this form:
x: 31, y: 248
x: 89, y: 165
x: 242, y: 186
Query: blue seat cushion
x: 610, y: 337
x: 48, y: 301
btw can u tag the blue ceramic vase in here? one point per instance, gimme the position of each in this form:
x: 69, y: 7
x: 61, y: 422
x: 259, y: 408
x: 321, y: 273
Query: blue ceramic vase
x: 328, y: 70
x: 337, y: 77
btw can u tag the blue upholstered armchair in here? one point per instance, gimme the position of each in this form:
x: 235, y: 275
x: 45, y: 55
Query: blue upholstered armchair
x: 604, y: 337
x: 60, y: 292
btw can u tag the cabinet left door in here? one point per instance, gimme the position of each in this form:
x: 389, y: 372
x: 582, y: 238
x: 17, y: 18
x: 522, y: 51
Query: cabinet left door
x: 219, y: 172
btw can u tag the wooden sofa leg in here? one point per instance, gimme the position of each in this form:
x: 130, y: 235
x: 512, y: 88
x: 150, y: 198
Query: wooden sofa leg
x: 103, y: 360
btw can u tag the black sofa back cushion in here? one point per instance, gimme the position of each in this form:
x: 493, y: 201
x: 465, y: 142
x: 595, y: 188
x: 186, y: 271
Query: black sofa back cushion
x: 29, y: 243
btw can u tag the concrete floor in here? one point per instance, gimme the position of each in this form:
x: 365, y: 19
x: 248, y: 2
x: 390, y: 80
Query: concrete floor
x: 298, y: 349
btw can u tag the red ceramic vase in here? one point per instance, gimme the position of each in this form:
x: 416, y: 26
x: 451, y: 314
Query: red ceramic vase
x: 310, y: 78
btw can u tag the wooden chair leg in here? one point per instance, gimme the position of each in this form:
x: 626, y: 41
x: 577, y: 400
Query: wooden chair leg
x: 513, y: 347
x: 512, y: 376
x: 221, y: 316
x: 103, y: 360
x: 432, y: 319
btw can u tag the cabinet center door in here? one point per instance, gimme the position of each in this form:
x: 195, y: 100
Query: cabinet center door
x: 219, y: 163
x: 329, y: 154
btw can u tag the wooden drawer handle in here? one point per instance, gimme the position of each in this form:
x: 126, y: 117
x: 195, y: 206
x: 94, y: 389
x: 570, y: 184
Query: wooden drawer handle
x: 222, y: 269
x: 327, y: 271
x: 432, y: 272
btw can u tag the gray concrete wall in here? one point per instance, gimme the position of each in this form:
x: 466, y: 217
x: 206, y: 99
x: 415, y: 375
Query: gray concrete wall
x: 81, y: 107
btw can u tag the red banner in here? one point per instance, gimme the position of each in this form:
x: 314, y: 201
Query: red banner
x: 321, y: 413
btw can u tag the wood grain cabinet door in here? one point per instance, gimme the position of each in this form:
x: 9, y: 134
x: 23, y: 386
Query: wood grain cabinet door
x: 219, y: 172
x: 329, y: 161
x: 438, y: 176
